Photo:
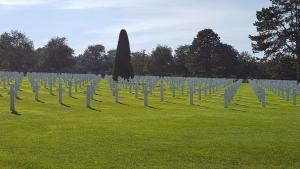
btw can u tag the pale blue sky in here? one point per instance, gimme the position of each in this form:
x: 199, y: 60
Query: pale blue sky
x: 148, y: 22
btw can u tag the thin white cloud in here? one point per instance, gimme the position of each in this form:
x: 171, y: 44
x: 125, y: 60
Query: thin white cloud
x: 22, y: 2
x: 148, y: 22
x: 88, y: 4
x: 171, y: 24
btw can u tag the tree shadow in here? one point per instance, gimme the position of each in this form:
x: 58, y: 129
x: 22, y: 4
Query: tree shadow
x: 73, y: 97
x: 16, y: 113
x: 65, y: 105
x: 52, y: 94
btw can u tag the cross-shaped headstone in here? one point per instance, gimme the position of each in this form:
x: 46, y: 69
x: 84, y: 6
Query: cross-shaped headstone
x: 199, y: 92
x: 116, y: 92
x: 60, y: 91
x: 88, y: 97
x: 12, y: 93
x: 136, y: 89
x: 145, y: 91
x: 161, y: 90
x: 70, y: 87
x: 51, y: 86
x: 191, y: 94
x: 294, y: 95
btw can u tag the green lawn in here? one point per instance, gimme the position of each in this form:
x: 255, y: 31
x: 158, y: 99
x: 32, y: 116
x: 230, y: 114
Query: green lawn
x: 171, y: 134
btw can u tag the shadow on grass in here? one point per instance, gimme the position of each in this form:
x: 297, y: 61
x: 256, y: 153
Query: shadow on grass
x: 241, y: 105
x: 170, y: 102
x: 211, y: 101
x: 238, y: 110
x: 52, y: 94
x: 97, y: 100
x: 272, y: 107
x: 40, y: 101
x: 19, y: 98
x: 151, y: 107
x: 202, y: 106
x: 73, y: 97
x: 65, y: 105
x: 16, y: 113
x: 123, y: 104
x: 91, y: 108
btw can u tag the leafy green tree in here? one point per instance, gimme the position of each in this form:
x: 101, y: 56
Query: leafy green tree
x: 79, y: 67
x: 41, y: 59
x: 180, y: 57
x: 16, y: 52
x: 161, y: 60
x: 199, y: 62
x: 58, y: 55
x: 139, y: 62
x: 109, y: 60
x: 224, y: 60
x: 93, y: 58
x: 278, y: 28
x: 282, y: 67
x: 122, y: 66
x: 247, y: 66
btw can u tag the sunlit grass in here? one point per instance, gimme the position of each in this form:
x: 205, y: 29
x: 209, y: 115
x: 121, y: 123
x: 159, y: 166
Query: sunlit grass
x: 170, y: 134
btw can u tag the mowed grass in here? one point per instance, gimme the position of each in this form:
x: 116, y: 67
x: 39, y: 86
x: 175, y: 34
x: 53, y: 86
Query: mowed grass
x: 170, y: 134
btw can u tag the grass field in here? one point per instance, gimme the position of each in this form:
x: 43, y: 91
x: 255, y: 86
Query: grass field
x: 171, y: 134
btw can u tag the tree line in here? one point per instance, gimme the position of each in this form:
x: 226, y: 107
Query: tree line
x: 278, y: 36
x: 206, y: 56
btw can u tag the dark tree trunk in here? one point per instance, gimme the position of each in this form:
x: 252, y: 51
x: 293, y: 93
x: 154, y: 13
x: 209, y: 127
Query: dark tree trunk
x: 298, y: 67
x: 298, y: 57
x: 297, y: 44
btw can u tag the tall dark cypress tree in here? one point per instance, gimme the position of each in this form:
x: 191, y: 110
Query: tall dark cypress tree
x: 122, y: 66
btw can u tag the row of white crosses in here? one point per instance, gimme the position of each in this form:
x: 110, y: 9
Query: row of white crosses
x: 14, y: 81
x: 148, y: 83
x: 198, y: 86
x: 286, y: 89
x: 67, y: 80
x: 259, y: 91
x: 204, y: 86
x: 91, y: 90
x: 201, y: 86
x: 230, y: 92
